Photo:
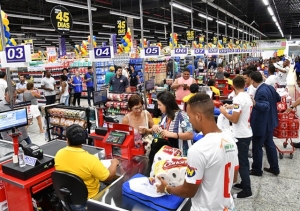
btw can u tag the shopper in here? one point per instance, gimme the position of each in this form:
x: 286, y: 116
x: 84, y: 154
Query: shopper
x: 133, y: 79
x: 212, y: 84
x: 282, y: 74
x: 191, y: 67
x: 272, y: 79
x: 140, y: 119
x: 297, y: 67
x: 212, y: 162
x: 48, y: 83
x: 3, y: 85
x: 182, y: 85
x: 75, y: 160
x: 89, y: 80
x: 4, y: 106
x: 64, y: 90
x: 118, y: 82
x: 21, y: 87
x: 125, y: 70
x: 76, y: 82
x: 250, y: 89
x: 241, y: 112
x: 194, y: 88
x: 108, y: 75
x: 212, y: 64
x: 264, y: 119
x: 220, y: 73
x: 65, y: 72
x: 32, y: 94
x: 227, y: 77
x: 201, y: 66
x: 174, y: 123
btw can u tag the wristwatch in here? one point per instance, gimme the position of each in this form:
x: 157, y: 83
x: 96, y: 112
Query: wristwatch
x: 292, y: 107
x: 166, y: 191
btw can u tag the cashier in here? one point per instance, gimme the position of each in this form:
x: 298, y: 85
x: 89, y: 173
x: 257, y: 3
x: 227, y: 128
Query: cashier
x: 75, y: 160
x: 118, y: 82
x: 4, y: 106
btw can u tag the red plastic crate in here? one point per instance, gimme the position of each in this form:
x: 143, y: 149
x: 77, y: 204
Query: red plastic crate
x: 293, y: 124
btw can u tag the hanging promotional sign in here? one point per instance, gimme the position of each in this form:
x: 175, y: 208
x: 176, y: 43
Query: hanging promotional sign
x: 190, y: 35
x: 279, y: 44
x: 30, y: 43
x: 121, y: 27
x: 61, y: 19
x: 51, y: 53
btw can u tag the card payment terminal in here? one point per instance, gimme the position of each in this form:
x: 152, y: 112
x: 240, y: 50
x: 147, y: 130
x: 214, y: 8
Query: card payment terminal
x: 116, y: 137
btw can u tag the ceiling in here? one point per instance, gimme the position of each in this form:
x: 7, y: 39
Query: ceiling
x: 252, y: 12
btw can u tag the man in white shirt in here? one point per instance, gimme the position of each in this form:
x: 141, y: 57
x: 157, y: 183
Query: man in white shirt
x: 272, y: 79
x: 240, y: 118
x: 124, y: 71
x: 48, y: 83
x: 21, y: 87
x: 282, y: 73
x: 212, y: 162
x: 250, y: 89
x: 3, y: 85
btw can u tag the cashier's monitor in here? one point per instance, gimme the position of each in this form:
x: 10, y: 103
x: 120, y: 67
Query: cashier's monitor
x: 100, y: 96
x: 13, y: 119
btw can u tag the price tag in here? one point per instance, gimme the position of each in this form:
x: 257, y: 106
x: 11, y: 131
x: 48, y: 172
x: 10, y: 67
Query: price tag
x: 121, y: 27
x: 30, y: 160
x: 179, y: 52
x: 102, y: 53
x: 190, y: 35
x: 213, y: 50
x: 223, y: 51
x: 16, y: 56
x: 199, y: 51
x: 152, y: 51
x: 61, y: 19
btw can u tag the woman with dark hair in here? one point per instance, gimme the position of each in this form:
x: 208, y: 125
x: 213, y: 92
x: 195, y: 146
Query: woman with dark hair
x: 138, y: 118
x: 64, y: 90
x: 174, y: 124
x: 76, y: 82
x: 133, y: 79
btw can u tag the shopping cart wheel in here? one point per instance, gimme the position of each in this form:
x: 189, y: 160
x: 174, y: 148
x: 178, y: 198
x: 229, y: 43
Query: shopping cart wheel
x: 280, y: 155
x: 284, y: 144
x: 291, y: 156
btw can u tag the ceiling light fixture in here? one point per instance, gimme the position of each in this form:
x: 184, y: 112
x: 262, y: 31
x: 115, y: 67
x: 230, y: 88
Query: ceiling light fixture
x: 145, y: 30
x: 124, y: 15
x: 81, y: 23
x: 180, y: 26
x: 230, y: 26
x: 108, y: 26
x: 106, y: 33
x: 158, y: 32
x: 71, y: 4
x: 204, y: 16
x: 274, y: 19
x: 47, y: 35
x: 222, y: 23
x: 25, y: 17
x: 266, y: 2
x: 270, y: 10
x: 158, y: 21
x: 149, y: 37
x: 17, y: 34
x: 37, y: 28
x: 240, y: 30
x: 83, y: 32
x: 181, y: 7
x: 199, y: 30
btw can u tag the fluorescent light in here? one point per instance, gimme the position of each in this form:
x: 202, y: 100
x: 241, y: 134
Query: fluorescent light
x: 162, y: 38
x: 37, y: 28
x: 180, y: 26
x: 105, y: 33
x: 149, y: 37
x: 145, y: 30
x: 233, y: 27
x: 222, y: 23
x: 181, y: 7
x: 123, y: 14
x: 83, y: 32
x: 108, y: 26
x: 42, y: 44
x: 81, y: 23
x: 158, y: 32
x: 199, y: 30
x: 25, y: 17
x: 78, y: 37
x: 52, y: 39
x: 17, y: 34
x: 240, y: 30
x: 270, y: 11
x: 245, y: 32
x: 204, y: 16
x: 47, y: 35
x: 71, y: 4
x: 274, y: 19
x: 266, y: 2
x: 158, y: 21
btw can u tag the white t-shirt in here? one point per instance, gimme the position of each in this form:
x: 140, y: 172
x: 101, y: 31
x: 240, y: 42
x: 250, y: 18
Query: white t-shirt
x: 242, y: 104
x: 272, y: 80
x: 251, y: 90
x: 3, y: 86
x: 281, y: 77
x: 49, y: 83
x: 208, y: 161
x: 200, y: 65
x: 125, y: 73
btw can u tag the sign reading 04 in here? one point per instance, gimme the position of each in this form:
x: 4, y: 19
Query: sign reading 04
x: 121, y: 27
x: 61, y: 19
x: 190, y: 35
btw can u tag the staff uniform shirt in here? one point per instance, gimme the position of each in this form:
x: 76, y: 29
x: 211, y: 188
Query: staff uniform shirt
x: 119, y: 84
x: 242, y: 104
x: 272, y: 80
x: 81, y: 163
x: 49, y: 83
x: 21, y: 86
x: 89, y: 83
x: 251, y: 90
x: 211, y: 164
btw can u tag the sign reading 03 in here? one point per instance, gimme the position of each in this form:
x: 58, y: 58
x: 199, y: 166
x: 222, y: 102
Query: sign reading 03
x: 121, y: 27
x: 61, y: 19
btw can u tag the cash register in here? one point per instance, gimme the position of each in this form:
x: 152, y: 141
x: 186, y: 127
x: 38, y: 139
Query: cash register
x: 119, y: 141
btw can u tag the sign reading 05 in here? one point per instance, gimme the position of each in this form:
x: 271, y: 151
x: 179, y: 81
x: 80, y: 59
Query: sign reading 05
x: 121, y: 27
x: 61, y: 19
x: 190, y: 35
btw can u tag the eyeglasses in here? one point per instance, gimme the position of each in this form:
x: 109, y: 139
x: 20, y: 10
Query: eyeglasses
x: 137, y: 108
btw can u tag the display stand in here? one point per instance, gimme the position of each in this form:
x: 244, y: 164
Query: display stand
x: 59, y: 117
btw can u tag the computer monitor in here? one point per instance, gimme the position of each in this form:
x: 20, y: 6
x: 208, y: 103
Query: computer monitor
x: 13, y: 119
x: 149, y: 85
x: 100, y: 96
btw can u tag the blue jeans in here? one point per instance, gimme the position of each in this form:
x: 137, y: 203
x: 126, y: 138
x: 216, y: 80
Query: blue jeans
x: 89, y: 94
x: 28, y: 140
x: 64, y: 99
x: 243, y: 148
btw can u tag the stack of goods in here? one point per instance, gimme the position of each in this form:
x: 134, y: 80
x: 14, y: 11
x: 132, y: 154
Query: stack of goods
x: 155, y: 69
x: 62, y: 118
x: 117, y: 103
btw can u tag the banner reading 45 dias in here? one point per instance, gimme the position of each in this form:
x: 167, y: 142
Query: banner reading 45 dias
x: 61, y: 19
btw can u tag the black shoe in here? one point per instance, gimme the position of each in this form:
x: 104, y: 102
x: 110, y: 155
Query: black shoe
x: 296, y: 145
x: 244, y: 194
x: 254, y: 173
x: 271, y: 171
x: 238, y: 186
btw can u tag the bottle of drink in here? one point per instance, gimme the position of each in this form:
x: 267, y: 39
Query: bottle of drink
x: 21, y: 157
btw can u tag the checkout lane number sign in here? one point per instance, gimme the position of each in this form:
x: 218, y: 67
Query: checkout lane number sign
x: 15, y: 54
x: 61, y: 19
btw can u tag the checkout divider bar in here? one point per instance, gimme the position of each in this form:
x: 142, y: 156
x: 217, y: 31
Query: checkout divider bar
x: 105, y: 207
